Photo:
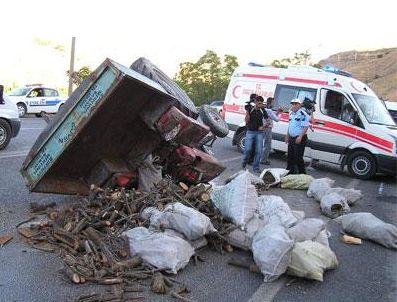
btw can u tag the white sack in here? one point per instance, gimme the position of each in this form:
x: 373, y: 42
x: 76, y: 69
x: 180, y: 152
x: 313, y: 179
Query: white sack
x: 155, y: 217
x: 296, y: 181
x: 351, y: 195
x: 187, y: 221
x: 254, y: 179
x: 196, y: 244
x: 322, y: 237
x: 367, y: 226
x: 242, y: 238
x: 307, y: 229
x: 275, y: 210
x: 272, y: 176
x: 162, y: 251
x: 271, y: 248
x: 310, y: 259
x: 299, y: 215
x: 334, y: 205
x: 149, y: 174
x: 237, y: 200
x: 319, y: 187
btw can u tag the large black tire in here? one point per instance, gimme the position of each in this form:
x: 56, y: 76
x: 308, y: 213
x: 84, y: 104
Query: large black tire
x: 361, y: 164
x: 5, y: 134
x: 212, y: 119
x: 22, y: 110
x: 240, y: 141
x: 151, y: 71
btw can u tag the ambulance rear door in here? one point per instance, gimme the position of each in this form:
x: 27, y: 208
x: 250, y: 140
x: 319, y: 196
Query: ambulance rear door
x: 240, y: 88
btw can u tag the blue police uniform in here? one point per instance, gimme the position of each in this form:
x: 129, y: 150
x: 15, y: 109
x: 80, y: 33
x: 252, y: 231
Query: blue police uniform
x: 297, y: 122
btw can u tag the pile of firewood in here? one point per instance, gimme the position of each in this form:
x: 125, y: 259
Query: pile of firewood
x: 87, y: 236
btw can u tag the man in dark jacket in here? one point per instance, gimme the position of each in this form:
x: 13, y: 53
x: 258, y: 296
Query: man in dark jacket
x: 254, y: 118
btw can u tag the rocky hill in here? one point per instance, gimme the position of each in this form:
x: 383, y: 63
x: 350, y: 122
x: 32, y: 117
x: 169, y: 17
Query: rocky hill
x: 377, y: 68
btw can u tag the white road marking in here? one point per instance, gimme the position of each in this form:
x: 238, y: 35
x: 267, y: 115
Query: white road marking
x: 381, y: 187
x: 232, y: 159
x: 267, y: 291
x: 21, y: 153
x: 32, y: 128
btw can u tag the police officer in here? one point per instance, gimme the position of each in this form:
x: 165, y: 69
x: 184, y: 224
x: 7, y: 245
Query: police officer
x: 296, y: 138
x: 254, y: 117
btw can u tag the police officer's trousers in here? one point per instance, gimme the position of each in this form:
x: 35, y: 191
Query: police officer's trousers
x: 295, y: 163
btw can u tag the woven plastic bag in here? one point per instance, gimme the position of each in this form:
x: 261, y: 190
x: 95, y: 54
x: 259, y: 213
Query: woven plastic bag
x: 242, y: 237
x: 187, y: 221
x: 351, y: 195
x: 237, y: 200
x: 296, y: 181
x: 271, y: 248
x: 307, y: 229
x: 310, y: 259
x: 319, y: 187
x: 275, y: 210
x: 160, y: 250
x: 272, y: 176
x: 334, y: 205
x: 367, y: 226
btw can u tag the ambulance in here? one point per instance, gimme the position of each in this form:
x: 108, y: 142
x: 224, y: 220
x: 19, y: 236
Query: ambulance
x: 350, y: 127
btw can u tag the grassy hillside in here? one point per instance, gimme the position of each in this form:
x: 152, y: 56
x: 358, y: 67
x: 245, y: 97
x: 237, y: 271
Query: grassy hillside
x: 377, y: 68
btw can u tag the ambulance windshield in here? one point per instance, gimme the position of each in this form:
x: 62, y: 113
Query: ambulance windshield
x: 373, y: 109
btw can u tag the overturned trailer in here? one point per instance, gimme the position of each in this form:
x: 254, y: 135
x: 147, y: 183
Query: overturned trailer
x: 109, y: 125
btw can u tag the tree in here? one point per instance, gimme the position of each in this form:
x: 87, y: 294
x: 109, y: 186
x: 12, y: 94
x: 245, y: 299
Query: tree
x: 298, y: 59
x: 206, y: 79
x: 80, y: 75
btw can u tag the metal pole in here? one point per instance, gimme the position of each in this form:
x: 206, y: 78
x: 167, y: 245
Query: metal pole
x: 71, y: 68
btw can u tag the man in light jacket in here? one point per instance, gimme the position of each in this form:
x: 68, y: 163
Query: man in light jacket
x: 267, y: 133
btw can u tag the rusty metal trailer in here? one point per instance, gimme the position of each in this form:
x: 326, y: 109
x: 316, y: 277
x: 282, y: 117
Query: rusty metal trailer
x: 107, y: 125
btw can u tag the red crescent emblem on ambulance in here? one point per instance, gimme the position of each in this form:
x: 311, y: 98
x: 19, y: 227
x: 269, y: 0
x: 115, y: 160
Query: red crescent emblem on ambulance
x: 234, y: 92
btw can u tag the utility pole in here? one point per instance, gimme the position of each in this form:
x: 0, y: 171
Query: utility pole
x: 71, y: 68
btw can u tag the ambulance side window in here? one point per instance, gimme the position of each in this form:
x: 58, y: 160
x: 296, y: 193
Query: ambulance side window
x: 336, y: 105
x: 284, y: 94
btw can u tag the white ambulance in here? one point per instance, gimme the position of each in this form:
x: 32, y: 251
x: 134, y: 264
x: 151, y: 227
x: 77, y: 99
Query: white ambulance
x: 351, y: 125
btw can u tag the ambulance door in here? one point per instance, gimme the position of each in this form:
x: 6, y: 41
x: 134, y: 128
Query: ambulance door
x: 282, y: 99
x: 334, y: 128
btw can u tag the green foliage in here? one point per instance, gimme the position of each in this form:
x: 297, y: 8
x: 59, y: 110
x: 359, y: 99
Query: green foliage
x: 206, y: 79
x: 80, y: 75
x: 298, y: 59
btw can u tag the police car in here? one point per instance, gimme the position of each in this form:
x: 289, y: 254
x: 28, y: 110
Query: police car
x: 36, y: 99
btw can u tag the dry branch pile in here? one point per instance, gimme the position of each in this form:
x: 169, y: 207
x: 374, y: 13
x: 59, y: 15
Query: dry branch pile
x: 88, y: 237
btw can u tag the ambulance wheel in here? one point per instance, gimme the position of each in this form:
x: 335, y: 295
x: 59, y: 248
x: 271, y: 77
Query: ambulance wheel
x: 5, y: 134
x: 151, y: 71
x: 213, y: 120
x: 240, y: 141
x: 21, y: 109
x: 361, y: 164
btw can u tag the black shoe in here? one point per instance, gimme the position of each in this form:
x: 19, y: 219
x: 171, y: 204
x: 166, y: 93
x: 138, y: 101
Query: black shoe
x: 244, y: 165
x: 257, y: 171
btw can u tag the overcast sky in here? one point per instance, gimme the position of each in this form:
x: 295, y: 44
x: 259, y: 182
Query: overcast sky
x: 169, y: 32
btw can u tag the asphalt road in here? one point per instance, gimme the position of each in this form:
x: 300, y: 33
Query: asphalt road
x: 365, y: 273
